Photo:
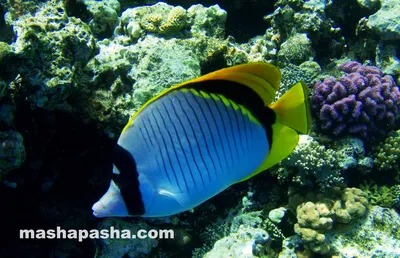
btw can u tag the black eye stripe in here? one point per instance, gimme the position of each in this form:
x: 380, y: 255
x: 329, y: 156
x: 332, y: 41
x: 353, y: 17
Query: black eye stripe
x: 128, y: 180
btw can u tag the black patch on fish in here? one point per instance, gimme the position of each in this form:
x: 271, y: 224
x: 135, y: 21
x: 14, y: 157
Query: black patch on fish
x: 128, y: 180
x: 242, y: 95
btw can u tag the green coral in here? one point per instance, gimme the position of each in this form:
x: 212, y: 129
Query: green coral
x: 387, y: 153
x: 3, y: 89
x: 295, y: 50
x: 380, y: 195
x: 291, y: 74
x: 4, y: 51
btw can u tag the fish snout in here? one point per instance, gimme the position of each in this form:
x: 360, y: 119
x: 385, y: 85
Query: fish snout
x: 111, y: 204
x: 99, y: 210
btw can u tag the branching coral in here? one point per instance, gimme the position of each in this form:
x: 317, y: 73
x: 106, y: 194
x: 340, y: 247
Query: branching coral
x: 387, y: 153
x: 313, y: 159
x: 380, y: 195
x: 311, y: 156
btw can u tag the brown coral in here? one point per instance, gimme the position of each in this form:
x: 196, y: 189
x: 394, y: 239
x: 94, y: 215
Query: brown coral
x: 353, y: 205
x: 312, y: 221
x: 317, y: 213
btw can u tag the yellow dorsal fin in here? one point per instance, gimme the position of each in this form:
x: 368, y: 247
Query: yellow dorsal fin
x: 263, y: 78
x: 293, y: 117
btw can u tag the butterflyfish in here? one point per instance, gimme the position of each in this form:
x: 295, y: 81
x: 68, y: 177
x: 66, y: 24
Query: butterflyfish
x: 195, y: 139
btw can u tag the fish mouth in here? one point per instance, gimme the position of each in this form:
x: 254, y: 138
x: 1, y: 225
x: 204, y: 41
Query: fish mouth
x: 99, y: 210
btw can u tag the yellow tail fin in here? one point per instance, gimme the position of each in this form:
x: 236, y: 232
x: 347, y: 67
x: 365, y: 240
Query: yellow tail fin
x: 293, y: 109
x: 292, y: 117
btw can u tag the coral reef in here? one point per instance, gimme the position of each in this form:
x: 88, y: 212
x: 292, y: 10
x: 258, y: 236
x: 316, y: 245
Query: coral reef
x: 162, y: 22
x: 246, y: 231
x: 104, y: 16
x: 307, y: 72
x: 135, y: 70
x: 124, y: 72
x: 208, y: 22
x: 247, y: 242
x: 121, y: 247
x: 375, y: 235
x: 363, y: 103
x: 308, y: 17
x: 259, y: 49
x: 385, y: 22
x: 312, y: 222
x: 12, y: 149
x: 388, y: 60
x: 65, y: 44
x: 165, y: 20
x: 370, y: 4
x: 277, y: 214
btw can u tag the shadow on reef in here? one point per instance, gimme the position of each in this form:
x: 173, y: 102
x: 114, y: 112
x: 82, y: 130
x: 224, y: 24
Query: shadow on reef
x: 63, y: 175
x: 245, y: 17
x: 78, y: 9
x: 6, y: 32
x: 349, y: 16
x: 68, y: 167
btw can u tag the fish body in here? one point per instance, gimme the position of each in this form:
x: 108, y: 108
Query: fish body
x: 196, y: 139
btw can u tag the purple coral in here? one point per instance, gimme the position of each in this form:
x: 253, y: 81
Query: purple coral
x: 363, y: 103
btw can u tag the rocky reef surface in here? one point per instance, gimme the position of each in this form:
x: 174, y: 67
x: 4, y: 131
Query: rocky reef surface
x: 72, y: 73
